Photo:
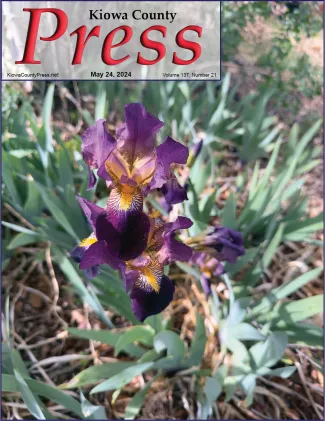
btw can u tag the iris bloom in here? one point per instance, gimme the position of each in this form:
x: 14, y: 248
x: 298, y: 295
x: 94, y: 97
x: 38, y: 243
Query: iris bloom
x: 216, y: 245
x: 228, y: 243
x: 139, y: 249
x: 131, y: 164
x: 224, y: 243
x: 107, y: 244
x: 149, y: 289
x: 210, y: 267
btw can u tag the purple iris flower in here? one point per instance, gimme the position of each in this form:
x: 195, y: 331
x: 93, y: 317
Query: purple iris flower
x: 131, y: 164
x: 140, y: 250
x: 108, y: 245
x: 210, y: 267
x: 149, y: 289
x: 228, y: 243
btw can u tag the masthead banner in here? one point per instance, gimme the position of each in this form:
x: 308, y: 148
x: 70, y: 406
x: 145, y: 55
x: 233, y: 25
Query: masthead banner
x: 111, y: 40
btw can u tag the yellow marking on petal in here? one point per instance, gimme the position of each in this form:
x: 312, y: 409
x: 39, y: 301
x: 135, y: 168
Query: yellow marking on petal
x: 127, y: 194
x: 207, y: 273
x: 151, y: 278
x: 155, y: 214
x: 86, y: 242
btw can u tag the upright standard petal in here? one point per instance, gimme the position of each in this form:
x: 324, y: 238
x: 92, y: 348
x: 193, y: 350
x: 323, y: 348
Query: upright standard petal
x: 168, y: 153
x: 172, y: 249
x: 173, y: 192
x: 136, y: 136
x: 97, y: 144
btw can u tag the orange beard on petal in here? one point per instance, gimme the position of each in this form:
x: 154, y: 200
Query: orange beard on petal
x: 151, y: 279
x: 150, y: 275
x: 127, y: 194
x: 125, y: 198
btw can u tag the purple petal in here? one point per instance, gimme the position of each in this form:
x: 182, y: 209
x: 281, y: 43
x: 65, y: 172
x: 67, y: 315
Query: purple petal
x: 230, y: 252
x: 141, y: 261
x: 206, y: 284
x: 77, y: 254
x: 217, y: 268
x: 181, y: 223
x: 168, y: 153
x: 136, y: 136
x: 135, y: 236
x: 129, y: 242
x: 105, y: 231
x: 165, y: 205
x: 92, y: 272
x: 91, y: 210
x: 173, y: 192
x: 173, y: 249
x: 123, y: 202
x: 97, y: 144
x: 130, y: 277
x: 147, y: 303
x: 114, y: 167
x: 172, y: 152
x: 228, y: 243
x: 91, y: 179
x: 98, y: 254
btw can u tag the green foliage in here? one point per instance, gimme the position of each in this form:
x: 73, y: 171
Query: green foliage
x: 290, y: 21
x: 41, y: 176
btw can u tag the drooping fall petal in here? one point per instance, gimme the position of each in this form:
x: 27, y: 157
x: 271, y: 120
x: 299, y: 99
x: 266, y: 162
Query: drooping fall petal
x: 147, y: 303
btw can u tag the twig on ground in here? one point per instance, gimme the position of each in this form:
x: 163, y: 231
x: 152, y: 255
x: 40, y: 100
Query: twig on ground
x: 311, y: 400
x: 34, y: 360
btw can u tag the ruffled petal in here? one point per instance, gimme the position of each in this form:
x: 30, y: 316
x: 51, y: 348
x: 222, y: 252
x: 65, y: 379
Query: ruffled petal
x: 97, y: 144
x: 230, y: 252
x: 136, y: 136
x: 168, y: 153
x: 98, y: 254
x: 173, y: 192
x: 147, y: 303
x: 91, y: 210
x: 227, y: 242
x: 173, y: 249
x: 172, y: 152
